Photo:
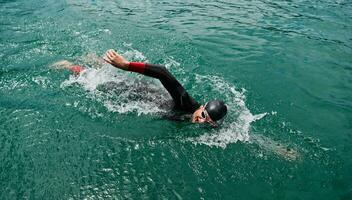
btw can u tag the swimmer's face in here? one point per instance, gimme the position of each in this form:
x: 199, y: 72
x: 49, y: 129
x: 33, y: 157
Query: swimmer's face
x: 201, y: 116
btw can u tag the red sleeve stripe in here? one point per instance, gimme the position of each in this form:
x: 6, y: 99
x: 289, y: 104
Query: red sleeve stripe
x: 136, y: 67
x: 76, y: 69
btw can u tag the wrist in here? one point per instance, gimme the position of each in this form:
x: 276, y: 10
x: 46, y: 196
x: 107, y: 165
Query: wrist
x: 124, y: 65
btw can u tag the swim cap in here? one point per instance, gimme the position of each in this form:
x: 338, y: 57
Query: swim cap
x: 216, y: 109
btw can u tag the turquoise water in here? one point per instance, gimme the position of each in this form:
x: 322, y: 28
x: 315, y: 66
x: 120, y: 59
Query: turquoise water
x: 283, y: 67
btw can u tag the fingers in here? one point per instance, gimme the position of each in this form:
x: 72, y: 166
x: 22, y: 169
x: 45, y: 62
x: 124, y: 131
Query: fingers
x: 107, y: 60
x: 114, y: 52
x: 107, y: 57
x: 111, y: 51
x: 111, y: 55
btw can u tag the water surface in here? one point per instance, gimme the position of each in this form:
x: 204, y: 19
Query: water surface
x: 283, y: 67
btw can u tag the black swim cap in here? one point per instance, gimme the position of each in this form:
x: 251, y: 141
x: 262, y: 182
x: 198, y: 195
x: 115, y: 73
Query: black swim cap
x: 216, y: 109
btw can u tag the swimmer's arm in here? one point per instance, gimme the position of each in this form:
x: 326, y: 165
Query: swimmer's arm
x: 175, y: 89
x: 155, y: 71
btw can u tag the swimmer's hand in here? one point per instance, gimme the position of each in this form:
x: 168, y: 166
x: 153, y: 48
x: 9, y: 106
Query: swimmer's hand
x: 116, y: 60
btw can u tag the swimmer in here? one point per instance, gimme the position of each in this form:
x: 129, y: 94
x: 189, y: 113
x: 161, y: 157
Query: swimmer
x: 211, y: 112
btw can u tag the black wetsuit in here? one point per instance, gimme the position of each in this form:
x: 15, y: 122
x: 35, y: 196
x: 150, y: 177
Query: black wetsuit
x: 183, y: 101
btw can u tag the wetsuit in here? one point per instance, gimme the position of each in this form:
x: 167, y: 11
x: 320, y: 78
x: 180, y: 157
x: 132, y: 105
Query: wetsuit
x: 183, y: 101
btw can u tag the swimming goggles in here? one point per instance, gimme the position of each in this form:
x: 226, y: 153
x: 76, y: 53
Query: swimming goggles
x: 204, y: 114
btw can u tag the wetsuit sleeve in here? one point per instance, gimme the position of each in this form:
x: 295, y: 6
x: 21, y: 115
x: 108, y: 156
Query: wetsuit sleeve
x: 180, y: 96
x: 76, y: 69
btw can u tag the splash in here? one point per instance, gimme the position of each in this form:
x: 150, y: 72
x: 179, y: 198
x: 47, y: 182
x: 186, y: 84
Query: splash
x: 236, y: 126
x: 117, y: 90
x: 121, y: 95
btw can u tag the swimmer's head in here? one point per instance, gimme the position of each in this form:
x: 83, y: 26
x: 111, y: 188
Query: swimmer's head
x: 216, y: 109
x: 211, y: 112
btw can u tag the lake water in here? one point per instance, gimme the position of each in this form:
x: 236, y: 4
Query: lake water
x: 283, y: 67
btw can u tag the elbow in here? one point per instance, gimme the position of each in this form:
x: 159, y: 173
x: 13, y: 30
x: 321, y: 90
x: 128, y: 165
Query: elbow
x: 164, y: 70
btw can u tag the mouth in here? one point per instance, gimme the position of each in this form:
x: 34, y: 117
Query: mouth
x: 199, y: 119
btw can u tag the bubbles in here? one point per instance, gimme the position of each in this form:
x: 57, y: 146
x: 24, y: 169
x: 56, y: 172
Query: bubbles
x: 42, y: 81
x: 11, y: 85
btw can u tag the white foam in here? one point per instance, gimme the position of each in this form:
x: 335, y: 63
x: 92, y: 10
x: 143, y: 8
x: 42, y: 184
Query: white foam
x: 237, y: 123
x: 91, y: 78
x: 41, y: 80
x: 135, y: 106
x: 13, y: 84
x: 280, y: 149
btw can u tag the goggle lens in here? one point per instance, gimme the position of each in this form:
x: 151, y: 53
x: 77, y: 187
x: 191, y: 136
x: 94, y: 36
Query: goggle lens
x: 203, y: 114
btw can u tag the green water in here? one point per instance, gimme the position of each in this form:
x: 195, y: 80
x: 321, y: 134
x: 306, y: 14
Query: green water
x: 283, y: 67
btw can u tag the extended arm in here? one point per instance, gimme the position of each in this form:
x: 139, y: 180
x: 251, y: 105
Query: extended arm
x: 181, y: 98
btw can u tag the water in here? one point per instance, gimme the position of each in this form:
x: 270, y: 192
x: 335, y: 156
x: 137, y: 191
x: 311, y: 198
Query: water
x: 283, y: 67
